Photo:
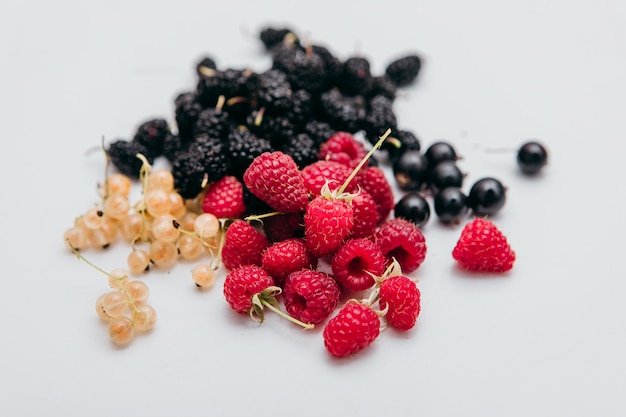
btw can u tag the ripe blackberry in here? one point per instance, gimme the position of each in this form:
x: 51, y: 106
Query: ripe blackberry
x: 304, y: 69
x: 356, y: 77
x: 445, y: 174
x: 151, y: 134
x: 333, y: 65
x: 319, y: 131
x: 123, y: 155
x: 276, y: 129
x: 532, y: 157
x: 382, y: 86
x: 411, y: 170
x: 302, y: 149
x: 273, y: 36
x: 228, y: 83
x: 213, y: 122
x: 486, y: 197
x: 173, y: 145
x: 274, y: 91
x: 380, y: 117
x: 205, y: 63
x: 243, y: 147
x: 407, y: 141
x: 403, y: 71
x: 301, y: 110
x: 451, y: 205
x: 414, y: 208
x: 187, y: 110
x: 440, y: 151
x: 342, y: 112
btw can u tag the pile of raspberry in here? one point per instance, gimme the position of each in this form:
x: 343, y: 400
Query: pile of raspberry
x: 285, y: 160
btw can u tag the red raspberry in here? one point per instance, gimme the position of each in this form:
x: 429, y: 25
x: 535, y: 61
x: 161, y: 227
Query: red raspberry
x: 243, y: 245
x: 224, y: 198
x: 352, y: 262
x: 282, y: 258
x: 342, y: 147
x: 402, y: 296
x: 354, y: 328
x: 316, y: 174
x: 482, y: 247
x: 365, y: 215
x: 274, y: 178
x: 402, y: 240
x: 284, y: 226
x: 372, y: 179
x: 310, y: 296
x: 242, y: 283
x: 327, y: 222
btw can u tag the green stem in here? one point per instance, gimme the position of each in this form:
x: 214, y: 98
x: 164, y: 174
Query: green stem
x: 306, y: 326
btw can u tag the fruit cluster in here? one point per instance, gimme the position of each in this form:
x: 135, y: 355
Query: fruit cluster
x: 273, y: 175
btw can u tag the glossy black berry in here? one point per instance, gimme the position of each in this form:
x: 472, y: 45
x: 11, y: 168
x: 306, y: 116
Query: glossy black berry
x: 411, y: 170
x: 403, y: 71
x: 123, y: 155
x: 406, y: 140
x: 445, y: 174
x: 356, y: 77
x: 380, y: 117
x: 440, y: 151
x: 486, y: 197
x: 532, y: 157
x: 451, y: 205
x: 414, y: 208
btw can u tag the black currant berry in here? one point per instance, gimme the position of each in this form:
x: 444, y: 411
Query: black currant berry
x: 414, y: 208
x: 486, y: 197
x: 451, y: 205
x: 532, y: 157
x: 440, y: 151
x: 445, y: 174
x: 411, y: 170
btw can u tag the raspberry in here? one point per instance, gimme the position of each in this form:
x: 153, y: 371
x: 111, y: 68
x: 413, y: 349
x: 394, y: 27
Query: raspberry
x: 310, y: 296
x: 282, y: 258
x: 354, y: 328
x: 401, y: 295
x: 327, y: 222
x: 353, y: 263
x: 318, y: 173
x: 402, y: 240
x: 373, y: 180
x: 224, y: 198
x: 243, y: 245
x: 483, y: 248
x: 242, y: 283
x: 274, y: 178
x: 342, y: 147
x: 365, y: 215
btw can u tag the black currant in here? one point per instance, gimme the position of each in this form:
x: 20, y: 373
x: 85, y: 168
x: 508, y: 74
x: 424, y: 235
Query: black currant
x: 414, y: 208
x: 486, y: 197
x: 532, y: 157
x: 411, y: 170
x: 445, y: 174
x: 451, y: 205
x: 440, y: 151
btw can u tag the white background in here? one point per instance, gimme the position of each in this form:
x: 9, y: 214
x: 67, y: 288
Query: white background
x: 547, y: 339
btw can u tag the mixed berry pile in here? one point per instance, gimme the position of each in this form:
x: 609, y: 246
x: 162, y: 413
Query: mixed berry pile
x: 273, y: 175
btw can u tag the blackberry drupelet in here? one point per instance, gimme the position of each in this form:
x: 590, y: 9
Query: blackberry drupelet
x: 187, y: 110
x: 342, y: 112
x: 150, y: 134
x: 274, y: 91
x: 319, y: 131
x: 407, y: 141
x: 213, y: 122
x: 403, y: 71
x: 356, y: 77
x: 123, y: 155
x: 380, y: 117
x: 302, y: 149
x: 243, y: 147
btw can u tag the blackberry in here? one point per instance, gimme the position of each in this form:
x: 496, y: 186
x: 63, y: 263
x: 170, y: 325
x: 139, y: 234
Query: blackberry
x: 333, y: 65
x: 407, y: 141
x: 382, y: 86
x: 173, y: 145
x: 274, y: 91
x: 123, y: 155
x: 273, y: 36
x: 150, y: 134
x: 486, y: 197
x: 380, y: 117
x: 445, y: 174
x: 276, y: 129
x: 403, y: 71
x: 319, y: 131
x: 302, y: 149
x: 414, y: 208
x: 213, y: 122
x: 301, y: 110
x: 440, y: 151
x: 356, y: 77
x: 532, y: 157
x: 342, y: 112
x: 304, y: 69
x: 205, y: 66
x: 187, y: 110
x: 228, y: 83
x: 243, y: 147
x: 451, y: 205
x: 209, y: 88
x: 411, y: 170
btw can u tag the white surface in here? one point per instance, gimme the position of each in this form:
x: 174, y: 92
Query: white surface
x: 546, y: 340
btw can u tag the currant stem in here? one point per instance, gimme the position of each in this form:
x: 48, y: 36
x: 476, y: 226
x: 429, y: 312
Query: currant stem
x: 363, y: 161
x: 306, y: 326
x: 82, y: 258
